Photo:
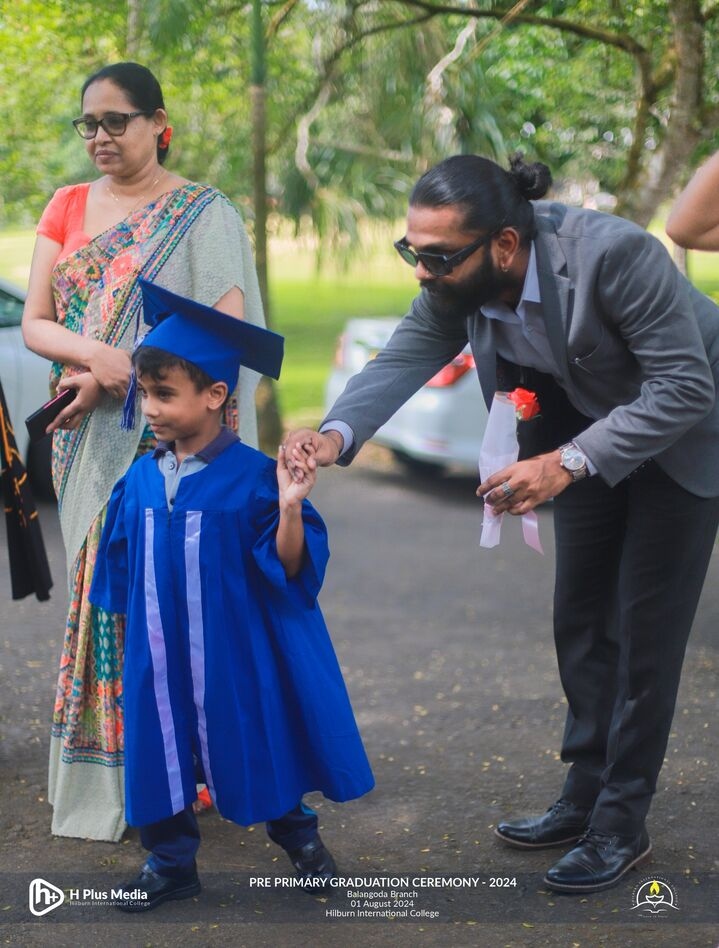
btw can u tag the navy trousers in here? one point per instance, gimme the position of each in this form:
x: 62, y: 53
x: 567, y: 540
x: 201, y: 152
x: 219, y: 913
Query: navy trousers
x: 173, y: 843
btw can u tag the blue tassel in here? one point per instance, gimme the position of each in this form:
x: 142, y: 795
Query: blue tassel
x: 128, y: 409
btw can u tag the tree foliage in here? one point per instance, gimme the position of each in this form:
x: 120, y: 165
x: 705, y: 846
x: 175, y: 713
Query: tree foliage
x: 626, y: 91
x: 362, y: 95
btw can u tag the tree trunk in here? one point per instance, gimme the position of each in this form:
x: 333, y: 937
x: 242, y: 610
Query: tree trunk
x: 681, y: 257
x: 134, y: 27
x: 268, y: 414
x: 640, y: 199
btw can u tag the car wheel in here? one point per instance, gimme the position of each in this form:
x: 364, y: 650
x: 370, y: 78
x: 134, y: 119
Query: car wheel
x: 39, y: 468
x: 417, y: 467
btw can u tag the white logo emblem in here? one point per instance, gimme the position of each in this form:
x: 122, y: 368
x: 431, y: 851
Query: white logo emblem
x: 44, y: 897
x: 654, y: 896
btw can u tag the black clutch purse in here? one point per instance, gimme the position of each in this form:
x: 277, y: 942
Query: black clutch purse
x: 47, y: 413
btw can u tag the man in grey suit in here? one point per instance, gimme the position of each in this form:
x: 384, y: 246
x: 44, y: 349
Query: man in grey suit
x: 589, y: 310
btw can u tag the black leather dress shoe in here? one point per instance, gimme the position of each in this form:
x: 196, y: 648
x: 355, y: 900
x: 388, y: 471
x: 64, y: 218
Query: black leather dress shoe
x: 598, y: 862
x: 563, y: 823
x: 314, y: 865
x: 149, y: 889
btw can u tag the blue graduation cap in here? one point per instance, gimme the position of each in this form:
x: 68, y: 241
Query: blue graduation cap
x: 212, y: 340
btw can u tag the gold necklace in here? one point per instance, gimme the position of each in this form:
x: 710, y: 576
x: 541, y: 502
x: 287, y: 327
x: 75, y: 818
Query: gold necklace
x: 141, y: 198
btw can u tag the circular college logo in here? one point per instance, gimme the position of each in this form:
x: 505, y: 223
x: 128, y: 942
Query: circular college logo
x: 654, y: 896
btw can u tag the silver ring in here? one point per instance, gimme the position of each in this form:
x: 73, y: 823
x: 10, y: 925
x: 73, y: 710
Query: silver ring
x: 506, y: 489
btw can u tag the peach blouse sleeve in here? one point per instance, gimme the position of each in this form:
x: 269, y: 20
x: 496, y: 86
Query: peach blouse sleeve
x: 63, y: 218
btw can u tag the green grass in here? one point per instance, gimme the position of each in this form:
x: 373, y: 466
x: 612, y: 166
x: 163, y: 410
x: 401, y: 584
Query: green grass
x: 703, y: 268
x: 308, y: 308
x: 311, y: 308
x: 311, y: 314
x: 704, y: 273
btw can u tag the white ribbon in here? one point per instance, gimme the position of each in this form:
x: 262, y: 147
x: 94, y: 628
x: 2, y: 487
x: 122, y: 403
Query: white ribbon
x: 500, y: 449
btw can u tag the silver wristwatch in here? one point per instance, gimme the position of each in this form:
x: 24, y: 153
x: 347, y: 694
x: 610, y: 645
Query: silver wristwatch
x: 573, y: 460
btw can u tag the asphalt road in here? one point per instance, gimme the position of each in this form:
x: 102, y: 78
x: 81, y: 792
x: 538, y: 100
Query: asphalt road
x: 448, y: 656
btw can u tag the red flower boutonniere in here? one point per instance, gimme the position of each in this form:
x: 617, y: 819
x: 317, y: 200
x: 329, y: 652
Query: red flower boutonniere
x: 526, y: 405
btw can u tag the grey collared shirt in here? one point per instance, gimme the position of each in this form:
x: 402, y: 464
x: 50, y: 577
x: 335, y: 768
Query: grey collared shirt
x: 520, y: 333
x: 174, y: 472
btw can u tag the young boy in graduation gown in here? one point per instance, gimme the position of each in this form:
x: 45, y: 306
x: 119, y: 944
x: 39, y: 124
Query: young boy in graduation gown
x: 217, y: 559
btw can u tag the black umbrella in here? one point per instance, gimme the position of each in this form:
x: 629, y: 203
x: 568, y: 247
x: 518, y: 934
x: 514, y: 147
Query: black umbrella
x: 29, y: 569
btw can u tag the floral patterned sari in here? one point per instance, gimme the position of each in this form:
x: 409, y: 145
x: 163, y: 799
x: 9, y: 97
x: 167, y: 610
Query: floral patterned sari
x: 192, y: 241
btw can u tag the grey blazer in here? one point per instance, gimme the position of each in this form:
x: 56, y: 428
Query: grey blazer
x: 637, y: 348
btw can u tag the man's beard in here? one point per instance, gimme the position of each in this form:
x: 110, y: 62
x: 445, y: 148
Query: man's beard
x: 456, y: 301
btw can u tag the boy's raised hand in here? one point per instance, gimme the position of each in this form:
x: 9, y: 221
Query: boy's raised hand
x: 295, y: 486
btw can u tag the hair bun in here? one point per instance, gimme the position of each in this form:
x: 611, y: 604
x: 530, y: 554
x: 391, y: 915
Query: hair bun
x: 533, y: 181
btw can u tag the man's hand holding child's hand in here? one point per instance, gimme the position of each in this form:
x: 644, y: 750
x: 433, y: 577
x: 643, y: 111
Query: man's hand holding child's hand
x: 295, y: 486
x: 308, y: 448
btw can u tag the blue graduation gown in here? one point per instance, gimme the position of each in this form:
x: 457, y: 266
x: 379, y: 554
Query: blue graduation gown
x: 224, y: 656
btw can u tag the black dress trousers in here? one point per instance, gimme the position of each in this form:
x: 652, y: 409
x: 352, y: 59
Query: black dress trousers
x: 630, y: 565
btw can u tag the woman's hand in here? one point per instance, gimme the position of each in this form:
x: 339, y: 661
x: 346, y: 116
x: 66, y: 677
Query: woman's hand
x: 111, y: 368
x: 88, y: 397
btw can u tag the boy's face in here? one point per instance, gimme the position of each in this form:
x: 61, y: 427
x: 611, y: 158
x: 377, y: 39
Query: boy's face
x: 176, y: 410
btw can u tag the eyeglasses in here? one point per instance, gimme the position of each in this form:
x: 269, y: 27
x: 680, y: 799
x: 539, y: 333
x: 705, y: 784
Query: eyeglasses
x: 439, y: 264
x: 114, y: 123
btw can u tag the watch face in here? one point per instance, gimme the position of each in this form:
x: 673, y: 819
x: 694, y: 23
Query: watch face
x: 573, y: 459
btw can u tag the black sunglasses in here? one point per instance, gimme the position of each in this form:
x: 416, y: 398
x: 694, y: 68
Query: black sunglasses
x: 439, y: 264
x: 114, y: 123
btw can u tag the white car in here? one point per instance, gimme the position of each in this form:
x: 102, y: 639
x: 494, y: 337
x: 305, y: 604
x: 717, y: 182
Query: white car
x: 441, y: 426
x: 25, y: 381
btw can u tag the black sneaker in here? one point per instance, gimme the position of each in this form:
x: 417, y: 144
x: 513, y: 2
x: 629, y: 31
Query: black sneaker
x: 149, y: 889
x: 314, y: 865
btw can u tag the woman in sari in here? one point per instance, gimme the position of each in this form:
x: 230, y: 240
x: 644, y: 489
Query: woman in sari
x: 83, y: 312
